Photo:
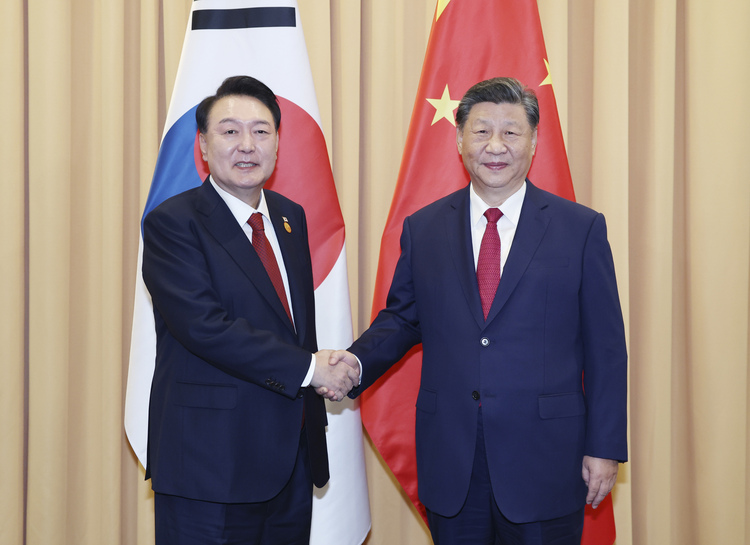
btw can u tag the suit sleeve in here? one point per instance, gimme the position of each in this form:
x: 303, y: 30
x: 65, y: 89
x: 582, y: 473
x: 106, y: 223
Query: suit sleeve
x: 605, y: 353
x: 189, y: 308
x: 396, y: 328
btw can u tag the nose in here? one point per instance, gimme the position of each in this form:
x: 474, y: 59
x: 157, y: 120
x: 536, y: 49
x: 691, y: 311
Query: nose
x: 247, y: 142
x: 496, y: 144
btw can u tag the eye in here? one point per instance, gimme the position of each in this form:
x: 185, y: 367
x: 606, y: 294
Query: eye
x: 230, y: 131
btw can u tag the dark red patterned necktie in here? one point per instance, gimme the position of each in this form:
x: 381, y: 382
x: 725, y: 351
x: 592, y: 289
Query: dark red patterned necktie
x: 265, y: 252
x: 488, y: 264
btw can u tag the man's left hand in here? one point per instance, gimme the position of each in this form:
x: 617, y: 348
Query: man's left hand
x: 600, y: 475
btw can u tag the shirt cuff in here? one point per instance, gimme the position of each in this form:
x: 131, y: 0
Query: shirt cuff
x: 360, y: 368
x: 310, y: 372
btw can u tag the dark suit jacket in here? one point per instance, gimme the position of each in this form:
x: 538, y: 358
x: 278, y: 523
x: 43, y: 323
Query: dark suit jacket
x: 226, y: 408
x: 555, y: 317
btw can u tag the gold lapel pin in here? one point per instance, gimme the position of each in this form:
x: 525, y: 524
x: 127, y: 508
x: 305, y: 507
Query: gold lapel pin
x: 286, y: 224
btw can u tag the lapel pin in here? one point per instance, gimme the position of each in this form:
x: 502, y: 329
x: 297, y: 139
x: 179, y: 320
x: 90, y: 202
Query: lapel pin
x: 286, y: 224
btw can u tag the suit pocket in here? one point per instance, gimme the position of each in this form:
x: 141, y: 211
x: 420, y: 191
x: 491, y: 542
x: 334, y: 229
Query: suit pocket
x: 427, y: 401
x: 206, y: 396
x: 561, y: 405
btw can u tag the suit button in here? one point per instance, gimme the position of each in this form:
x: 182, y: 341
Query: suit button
x: 485, y: 341
x: 475, y: 395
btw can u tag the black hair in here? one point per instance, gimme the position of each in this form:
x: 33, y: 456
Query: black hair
x: 239, y: 86
x: 499, y: 91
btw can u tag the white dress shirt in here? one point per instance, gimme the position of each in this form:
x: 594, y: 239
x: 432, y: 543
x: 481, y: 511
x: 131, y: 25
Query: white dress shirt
x: 506, y: 225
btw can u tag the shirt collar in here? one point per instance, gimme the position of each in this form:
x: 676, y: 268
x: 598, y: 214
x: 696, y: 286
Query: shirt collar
x: 240, y: 209
x: 511, y: 208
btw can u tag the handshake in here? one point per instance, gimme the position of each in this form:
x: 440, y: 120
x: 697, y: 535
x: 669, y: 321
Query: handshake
x: 336, y: 373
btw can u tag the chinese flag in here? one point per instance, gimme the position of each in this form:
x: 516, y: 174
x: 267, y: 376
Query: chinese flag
x: 470, y: 41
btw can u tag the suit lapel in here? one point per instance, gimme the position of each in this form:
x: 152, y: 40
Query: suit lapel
x: 532, y: 225
x: 292, y: 264
x: 220, y: 222
x: 458, y: 233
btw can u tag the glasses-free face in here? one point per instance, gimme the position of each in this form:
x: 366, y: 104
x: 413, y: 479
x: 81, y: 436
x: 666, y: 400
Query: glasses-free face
x: 497, y: 145
x: 240, y: 146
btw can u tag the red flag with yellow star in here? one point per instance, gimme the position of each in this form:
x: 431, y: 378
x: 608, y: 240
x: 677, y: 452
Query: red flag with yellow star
x: 470, y: 41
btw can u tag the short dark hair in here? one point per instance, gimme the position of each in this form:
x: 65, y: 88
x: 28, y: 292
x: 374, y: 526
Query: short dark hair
x: 499, y: 91
x: 239, y: 86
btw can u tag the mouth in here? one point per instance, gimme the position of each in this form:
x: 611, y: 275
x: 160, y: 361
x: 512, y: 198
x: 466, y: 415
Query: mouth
x: 245, y: 164
x: 496, y: 165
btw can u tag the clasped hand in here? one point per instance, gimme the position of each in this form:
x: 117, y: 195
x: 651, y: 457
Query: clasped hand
x: 336, y: 373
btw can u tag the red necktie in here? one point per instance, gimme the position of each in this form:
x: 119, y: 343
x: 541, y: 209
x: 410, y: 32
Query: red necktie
x: 488, y: 264
x: 265, y: 252
x: 313, y: 413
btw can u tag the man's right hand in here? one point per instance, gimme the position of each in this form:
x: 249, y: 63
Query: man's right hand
x: 334, y: 381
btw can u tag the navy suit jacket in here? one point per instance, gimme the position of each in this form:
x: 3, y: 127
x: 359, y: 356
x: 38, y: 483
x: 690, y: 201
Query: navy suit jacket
x: 226, y: 407
x: 556, y: 316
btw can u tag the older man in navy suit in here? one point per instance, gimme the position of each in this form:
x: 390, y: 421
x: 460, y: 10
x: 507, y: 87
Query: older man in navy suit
x: 521, y: 412
x: 236, y: 430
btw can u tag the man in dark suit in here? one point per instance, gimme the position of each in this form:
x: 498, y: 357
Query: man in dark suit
x: 236, y: 431
x: 521, y: 412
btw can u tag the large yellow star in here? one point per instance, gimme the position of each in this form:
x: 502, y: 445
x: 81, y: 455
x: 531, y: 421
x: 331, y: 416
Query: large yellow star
x: 444, y: 107
x: 441, y: 5
x: 548, y: 79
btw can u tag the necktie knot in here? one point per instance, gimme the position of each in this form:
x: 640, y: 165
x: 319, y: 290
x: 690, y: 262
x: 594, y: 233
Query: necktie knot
x: 256, y: 222
x: 493, y: 215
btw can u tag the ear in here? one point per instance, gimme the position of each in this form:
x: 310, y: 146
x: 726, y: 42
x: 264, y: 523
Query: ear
x: 459, y: 140
x: 533, y: 142
x: 203, y: 144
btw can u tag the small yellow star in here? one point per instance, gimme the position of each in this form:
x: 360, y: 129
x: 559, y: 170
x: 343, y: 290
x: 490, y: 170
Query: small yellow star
x: 548, y: 79
x: 441, y: 5
x: 444, y: 107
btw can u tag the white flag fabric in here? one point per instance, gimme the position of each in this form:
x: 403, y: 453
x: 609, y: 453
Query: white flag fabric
x: 263, y: 39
